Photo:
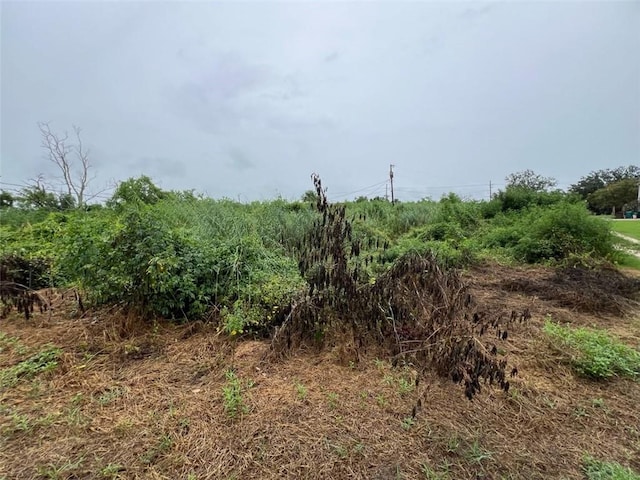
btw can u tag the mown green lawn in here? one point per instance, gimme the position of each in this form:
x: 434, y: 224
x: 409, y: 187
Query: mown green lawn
x: 630, y: 228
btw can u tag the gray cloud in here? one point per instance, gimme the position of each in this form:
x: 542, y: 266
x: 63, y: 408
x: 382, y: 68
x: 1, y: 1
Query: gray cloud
x: 332, y: 57
x: 249, y: 98
x: 213, y: 96
x: 159, y: 167
x: 239, y: 160
x: 474, y: 12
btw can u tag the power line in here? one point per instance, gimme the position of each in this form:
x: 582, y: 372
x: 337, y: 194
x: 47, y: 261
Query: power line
x: 342, y: 194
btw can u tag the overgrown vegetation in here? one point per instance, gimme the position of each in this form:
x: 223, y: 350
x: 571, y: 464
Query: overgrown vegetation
x: 416, y: 311
x: 319, y: 272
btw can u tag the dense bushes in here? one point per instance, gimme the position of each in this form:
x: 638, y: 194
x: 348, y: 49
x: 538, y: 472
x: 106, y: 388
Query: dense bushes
x: 515, y: 199
x: 561, y: 231
x: 152, y: 261
x: 552, y: 233
x: 175, y: 257
x: 180, y: 256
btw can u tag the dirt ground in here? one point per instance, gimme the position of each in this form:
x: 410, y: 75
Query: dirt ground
x: 133, y: 400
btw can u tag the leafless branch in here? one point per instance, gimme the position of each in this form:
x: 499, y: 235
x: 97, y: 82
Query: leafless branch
x: 65, y: 157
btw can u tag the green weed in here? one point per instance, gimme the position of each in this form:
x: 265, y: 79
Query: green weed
x: 150, y: 456
x: 109, y: 395
x: 477, y: 454
x: 388, y: 380
x: 43, y: 361
x: 112, y: 470
x: 407, y: 423
x: 380, y: 364
x: 405, y: 386
x: 599, y: 470
x: 580, y: 412
x: 333, y: 400
x: 338, y: 449
x: 433, y: 474
x: 595, y: 353
x: 232, y: 395
x: 301, y: 391
x: 21, y: 423
x: 453, y: 443
x: 59, y: 472
x: 11, y: 342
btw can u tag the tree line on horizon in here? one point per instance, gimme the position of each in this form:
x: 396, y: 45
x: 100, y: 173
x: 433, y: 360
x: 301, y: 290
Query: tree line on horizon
x: 605, y: 190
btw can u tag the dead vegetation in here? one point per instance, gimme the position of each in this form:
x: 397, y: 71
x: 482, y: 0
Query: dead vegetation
x: 19, y: 280
x: 595, y: 291
x: 417, y: 312
x: 133, y: 400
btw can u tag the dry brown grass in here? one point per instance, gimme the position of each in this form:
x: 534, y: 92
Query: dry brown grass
x: 132, y: 400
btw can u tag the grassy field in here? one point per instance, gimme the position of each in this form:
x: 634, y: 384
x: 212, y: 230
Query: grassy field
x: 630, y: 261
x: 630, y: 228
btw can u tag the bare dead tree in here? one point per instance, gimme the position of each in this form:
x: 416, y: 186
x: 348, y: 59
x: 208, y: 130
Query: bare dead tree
x: 71, y: 158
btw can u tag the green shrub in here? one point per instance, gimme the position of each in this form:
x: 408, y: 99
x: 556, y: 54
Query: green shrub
x: 594, y: 353
x: 559, y: 231
x: 135, y: 191
x: 453, y: 256
x: 178, y: 257
x: 467, y: 215
x: 441, y: 231
x: 137, y: 259
x: 517, y: 198
x: 405, y: 245
x: 503, y: 236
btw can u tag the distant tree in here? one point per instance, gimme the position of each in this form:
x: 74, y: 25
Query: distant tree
x: 530, y: 180
x: 621, y: 194
x: 36, y: 197
x: 598, y: 179
x: 72, y: 159
x: 66, y: 201
x: 136, y: 190
x: 450, y: 198
x: 6, y: 199
x: 309, y: 196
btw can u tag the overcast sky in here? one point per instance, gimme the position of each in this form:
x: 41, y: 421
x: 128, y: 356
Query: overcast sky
x: 246, y: 99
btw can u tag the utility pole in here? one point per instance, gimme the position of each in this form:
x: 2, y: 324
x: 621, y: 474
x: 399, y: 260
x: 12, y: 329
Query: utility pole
x: 490, y: 192
x: 391, y: 181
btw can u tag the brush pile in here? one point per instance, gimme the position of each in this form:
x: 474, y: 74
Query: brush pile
x: 417, y: 312
x: 599, y: 291
x: 17, y: 276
